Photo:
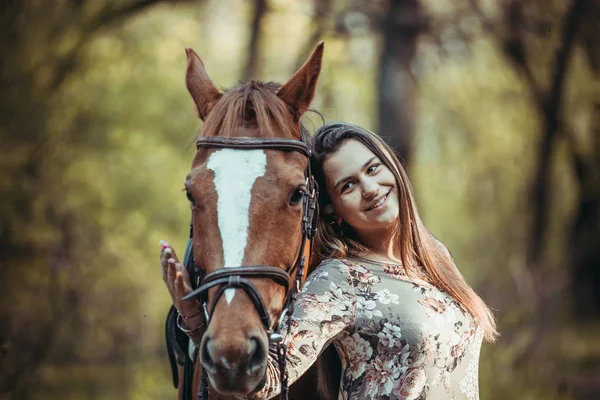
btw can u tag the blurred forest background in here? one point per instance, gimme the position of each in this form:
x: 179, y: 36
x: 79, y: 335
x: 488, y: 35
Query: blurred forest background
x: 493, y: 104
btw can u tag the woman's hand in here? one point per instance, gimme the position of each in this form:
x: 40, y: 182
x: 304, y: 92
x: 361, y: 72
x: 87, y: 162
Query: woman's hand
x: 178, y: 284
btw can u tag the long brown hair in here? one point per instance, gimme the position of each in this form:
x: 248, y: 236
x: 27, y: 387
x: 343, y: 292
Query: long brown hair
x: 417, y: 245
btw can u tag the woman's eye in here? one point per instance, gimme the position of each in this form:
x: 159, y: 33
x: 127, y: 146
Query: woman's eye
x: 347, y: 186
x: 373, y: 168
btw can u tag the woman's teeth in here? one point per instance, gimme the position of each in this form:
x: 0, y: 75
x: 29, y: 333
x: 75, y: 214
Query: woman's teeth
x: 380, y: 202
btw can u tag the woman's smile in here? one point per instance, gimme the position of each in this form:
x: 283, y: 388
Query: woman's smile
x: 379, y: 204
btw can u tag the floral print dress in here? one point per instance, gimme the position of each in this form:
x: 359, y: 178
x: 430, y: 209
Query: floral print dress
x: 398, y: 336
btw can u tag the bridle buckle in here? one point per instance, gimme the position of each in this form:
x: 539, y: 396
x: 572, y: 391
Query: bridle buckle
x: 275, y: 337
x: 234, y: 280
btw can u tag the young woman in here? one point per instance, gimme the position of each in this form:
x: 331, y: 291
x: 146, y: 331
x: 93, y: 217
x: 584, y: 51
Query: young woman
x: 387, y: 294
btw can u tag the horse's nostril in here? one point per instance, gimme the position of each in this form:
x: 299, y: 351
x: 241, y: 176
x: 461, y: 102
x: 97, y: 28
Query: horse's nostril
x: 258, y: 355
x: 253, y: 345
x: 206, y: 358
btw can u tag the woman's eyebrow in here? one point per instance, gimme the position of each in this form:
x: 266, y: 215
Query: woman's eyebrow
x: 344, y: 180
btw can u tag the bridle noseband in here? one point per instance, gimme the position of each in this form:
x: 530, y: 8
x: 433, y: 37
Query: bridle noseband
x: 237, y: 277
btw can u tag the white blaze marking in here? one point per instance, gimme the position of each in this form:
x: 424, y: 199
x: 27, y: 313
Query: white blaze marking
x: 235, y: 174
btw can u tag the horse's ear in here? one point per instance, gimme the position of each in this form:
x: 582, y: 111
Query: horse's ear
x: 203, y: 91
x: 299, y: 90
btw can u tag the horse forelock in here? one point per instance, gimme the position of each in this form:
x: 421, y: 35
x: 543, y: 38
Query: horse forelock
x: 252, y: 104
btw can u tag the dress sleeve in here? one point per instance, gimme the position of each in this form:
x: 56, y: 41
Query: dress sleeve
x: 325, y: 311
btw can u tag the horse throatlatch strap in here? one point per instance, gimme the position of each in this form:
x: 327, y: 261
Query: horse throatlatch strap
x: 203, y: 391
x: 283, y: 375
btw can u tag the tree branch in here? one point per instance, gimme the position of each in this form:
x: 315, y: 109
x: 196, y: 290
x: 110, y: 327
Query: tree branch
x: 512, y: 47
x: 68, y: 62
x: 111, y: 15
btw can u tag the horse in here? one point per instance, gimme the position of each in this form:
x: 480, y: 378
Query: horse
x: 253, y: 202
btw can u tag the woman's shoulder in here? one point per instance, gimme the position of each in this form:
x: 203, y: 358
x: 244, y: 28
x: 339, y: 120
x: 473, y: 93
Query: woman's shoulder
x: 328, y: 264
x: 338, y: 264
x: 332, y: 274
x: 331, y: 268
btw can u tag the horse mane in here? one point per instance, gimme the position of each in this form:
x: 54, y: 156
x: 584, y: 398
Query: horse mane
x: 251, y: 104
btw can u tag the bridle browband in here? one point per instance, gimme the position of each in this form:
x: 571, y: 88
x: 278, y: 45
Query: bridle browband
x: 249, y: 143
x: 237, y: 277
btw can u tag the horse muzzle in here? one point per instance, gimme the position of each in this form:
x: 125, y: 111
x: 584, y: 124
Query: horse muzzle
x: 235, y: 366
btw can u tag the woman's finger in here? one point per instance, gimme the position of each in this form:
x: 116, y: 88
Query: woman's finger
x: 165, y: 253
x: 171, y: 252
x: 171, y: 271
x: 164, y: 267
x: 187, y: 307
x: 180, y: 289
x: 175, y: 276
x: 184, y: 275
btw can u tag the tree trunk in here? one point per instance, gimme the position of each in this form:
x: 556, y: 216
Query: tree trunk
x: 397, y: 89
x: 550, y: 110
x: 251, y: 68
x: 585, y: 237
x: 584, y: 250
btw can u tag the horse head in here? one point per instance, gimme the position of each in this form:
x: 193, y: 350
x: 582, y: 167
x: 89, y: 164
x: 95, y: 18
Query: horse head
x: 248, y: 188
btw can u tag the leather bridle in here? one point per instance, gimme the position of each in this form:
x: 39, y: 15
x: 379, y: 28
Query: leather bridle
x: 237, y: 277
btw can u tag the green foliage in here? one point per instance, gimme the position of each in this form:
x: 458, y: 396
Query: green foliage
x: 91, y: 172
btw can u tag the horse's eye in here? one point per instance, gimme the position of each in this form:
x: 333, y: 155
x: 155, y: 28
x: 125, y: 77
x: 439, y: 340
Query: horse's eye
x: 297, y: 196
x: 189, y: 196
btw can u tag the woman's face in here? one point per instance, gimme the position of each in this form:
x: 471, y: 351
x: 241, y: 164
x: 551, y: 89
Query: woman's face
x: 362, y: 189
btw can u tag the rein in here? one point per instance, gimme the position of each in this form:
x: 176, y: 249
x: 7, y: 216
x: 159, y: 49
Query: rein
x: 237, y: 277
